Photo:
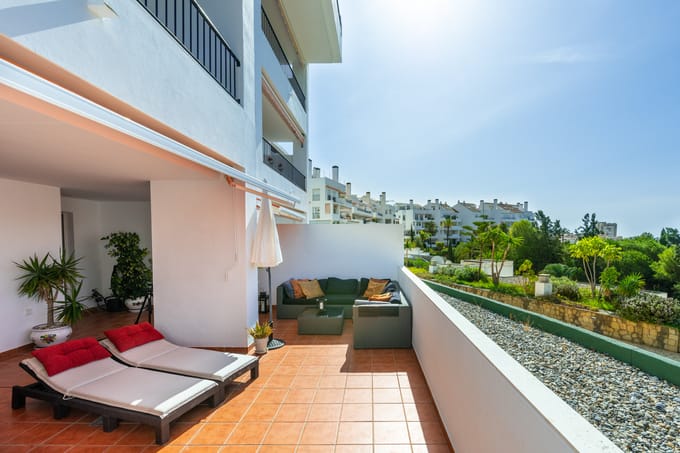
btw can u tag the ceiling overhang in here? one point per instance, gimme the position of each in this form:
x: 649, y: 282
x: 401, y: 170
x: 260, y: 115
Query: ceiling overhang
x: 316, y: 29
x: 50, y: 135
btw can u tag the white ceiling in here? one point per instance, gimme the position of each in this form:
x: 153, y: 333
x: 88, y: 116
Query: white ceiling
x: 42, y: 145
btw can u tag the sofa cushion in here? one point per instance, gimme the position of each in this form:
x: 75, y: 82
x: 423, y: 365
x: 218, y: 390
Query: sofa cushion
x: 342, y: 286
x: 382, y: 297
x: 297, y: 289
x: 375, y: 286
x: 311, y: 289
x: 71, y: 354
x: 299, y: 302
x: 340, y: 299
x: 288, y: 289
x: 363, y: 284
x: 391, y: 287
x: 128, y: 337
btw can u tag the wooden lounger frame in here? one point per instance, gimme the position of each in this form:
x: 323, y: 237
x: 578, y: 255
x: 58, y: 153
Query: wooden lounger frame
x: 110, y: 414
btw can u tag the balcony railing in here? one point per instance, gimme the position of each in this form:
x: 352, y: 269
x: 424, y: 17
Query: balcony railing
x: 275, y: 159
x: 287, y: 68
x: 186, y: 21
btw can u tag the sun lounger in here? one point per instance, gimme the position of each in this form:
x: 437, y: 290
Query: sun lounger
x: 73, y: 376
x: 145, y: 347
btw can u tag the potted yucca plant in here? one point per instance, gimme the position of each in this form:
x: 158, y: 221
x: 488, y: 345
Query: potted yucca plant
x: 45, y: 279
x: 260, y: 332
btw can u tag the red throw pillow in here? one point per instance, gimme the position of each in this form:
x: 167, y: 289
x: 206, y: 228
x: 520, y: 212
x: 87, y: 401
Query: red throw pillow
x: 71, y: 354
x: 129, y: 337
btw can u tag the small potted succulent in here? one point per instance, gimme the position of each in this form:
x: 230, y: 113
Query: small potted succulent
x: 260, y: 332
x: 131, y: 278
x: 45, y: 279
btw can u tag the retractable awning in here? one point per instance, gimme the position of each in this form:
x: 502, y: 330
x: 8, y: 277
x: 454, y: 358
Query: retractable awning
x: 26, y: 82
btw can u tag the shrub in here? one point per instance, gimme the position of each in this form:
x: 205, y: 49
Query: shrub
x: 565, y: 288
x: 650, y: 308
x: 630, y: 285
x: 608, y: 279
x: 470, y: 274
x: 417, y: 262
x: 559, y: 270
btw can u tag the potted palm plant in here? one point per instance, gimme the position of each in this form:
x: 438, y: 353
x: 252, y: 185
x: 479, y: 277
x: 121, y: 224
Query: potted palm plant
x: 45, y: 279
x: 131, y: 277
x: 260, y: 332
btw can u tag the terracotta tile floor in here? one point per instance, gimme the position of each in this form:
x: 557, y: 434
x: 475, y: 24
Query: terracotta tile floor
x: 316, y: 394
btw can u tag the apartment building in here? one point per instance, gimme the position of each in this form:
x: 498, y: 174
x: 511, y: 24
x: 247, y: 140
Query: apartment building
x: 415, y: 217
x: 171, y: 119
x: 331, y: 201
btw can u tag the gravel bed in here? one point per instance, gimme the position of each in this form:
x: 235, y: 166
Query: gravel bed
x: 637, y: 411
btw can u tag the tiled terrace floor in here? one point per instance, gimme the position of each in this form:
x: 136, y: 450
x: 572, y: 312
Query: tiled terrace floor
x: 316, y: 394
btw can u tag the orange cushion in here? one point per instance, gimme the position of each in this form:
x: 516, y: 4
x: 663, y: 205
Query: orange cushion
x: 375, y: 286
x: 297, y: 289
x: 311, y: 288
x: 128, y: 337
x: 71, y: 354
x: 384, y: 297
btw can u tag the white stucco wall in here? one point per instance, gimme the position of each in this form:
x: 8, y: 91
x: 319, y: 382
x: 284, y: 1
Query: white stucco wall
x: 30, y: 223
x: 94, y: 219
x: 205, y: 290
x: 343, y: 251
x: 487, y: 401
x: 132, y: 57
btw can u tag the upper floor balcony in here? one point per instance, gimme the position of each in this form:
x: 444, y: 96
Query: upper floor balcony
x: 189, y: 24
x: 277, y: 161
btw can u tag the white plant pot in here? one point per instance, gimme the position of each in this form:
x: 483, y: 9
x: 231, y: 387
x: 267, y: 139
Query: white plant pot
x: 261, y: 345
x: 43, y: 336
x: 134, y: 304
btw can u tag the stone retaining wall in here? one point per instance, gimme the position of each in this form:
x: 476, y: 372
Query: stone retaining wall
x: 658, y: 336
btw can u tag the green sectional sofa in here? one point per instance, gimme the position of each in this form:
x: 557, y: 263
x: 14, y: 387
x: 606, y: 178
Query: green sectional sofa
x: 337, y: 291
x: 376, y: 324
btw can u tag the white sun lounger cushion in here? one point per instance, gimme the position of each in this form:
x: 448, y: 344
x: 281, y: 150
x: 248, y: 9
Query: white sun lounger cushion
x: 163, y: 355
x: 109, y: 382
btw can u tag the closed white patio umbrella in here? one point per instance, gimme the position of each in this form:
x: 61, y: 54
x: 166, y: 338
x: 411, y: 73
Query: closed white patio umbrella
x: 266, y: 252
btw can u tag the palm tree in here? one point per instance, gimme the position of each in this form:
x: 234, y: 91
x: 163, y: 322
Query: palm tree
x: 447, y: 224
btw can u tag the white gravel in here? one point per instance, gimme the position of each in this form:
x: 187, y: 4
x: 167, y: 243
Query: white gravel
x: 637, y: 411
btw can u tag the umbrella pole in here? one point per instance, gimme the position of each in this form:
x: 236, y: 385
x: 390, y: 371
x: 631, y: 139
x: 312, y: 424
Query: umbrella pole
x: 274, y: 343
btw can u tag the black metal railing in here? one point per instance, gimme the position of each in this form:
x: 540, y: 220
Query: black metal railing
x: 287, y: 68
x: 186, y: 21
x: 276, y: 160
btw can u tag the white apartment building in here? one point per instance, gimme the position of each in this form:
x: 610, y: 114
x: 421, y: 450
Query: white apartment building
x: 494, y: 212
x: 170, y: 119
x: 415, y: 216
x: 330, y: 201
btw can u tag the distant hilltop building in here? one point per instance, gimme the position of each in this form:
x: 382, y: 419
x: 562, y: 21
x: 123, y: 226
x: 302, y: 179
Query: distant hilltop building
x: 607, y: 230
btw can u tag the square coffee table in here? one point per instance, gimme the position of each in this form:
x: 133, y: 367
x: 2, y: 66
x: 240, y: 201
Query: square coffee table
x: 329, y: 321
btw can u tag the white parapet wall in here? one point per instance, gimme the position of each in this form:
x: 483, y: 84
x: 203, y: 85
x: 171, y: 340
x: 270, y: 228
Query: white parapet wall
x: 487, y: 401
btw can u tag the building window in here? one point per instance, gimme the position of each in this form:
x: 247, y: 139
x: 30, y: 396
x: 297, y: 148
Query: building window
x: 316, y: 194
x: 316, y: 213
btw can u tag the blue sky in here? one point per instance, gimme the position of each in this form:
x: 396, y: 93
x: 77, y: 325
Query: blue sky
x: 573, y: 106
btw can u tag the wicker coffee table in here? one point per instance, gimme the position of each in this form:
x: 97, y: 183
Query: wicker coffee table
x: 313, y: 321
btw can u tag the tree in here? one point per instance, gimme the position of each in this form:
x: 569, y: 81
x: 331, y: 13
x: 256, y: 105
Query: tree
x: 500, y: 243
x: 424, y: 238
x: 589, y: 227
x: 447, y: 224
x: 541, y: 243
x: 431, y: 228
x: 588, y: 250
x: 669, y: 236
x: 412, y: 234
x: 667, y: 269
x: 639, y: 253
x: 478, y: 240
